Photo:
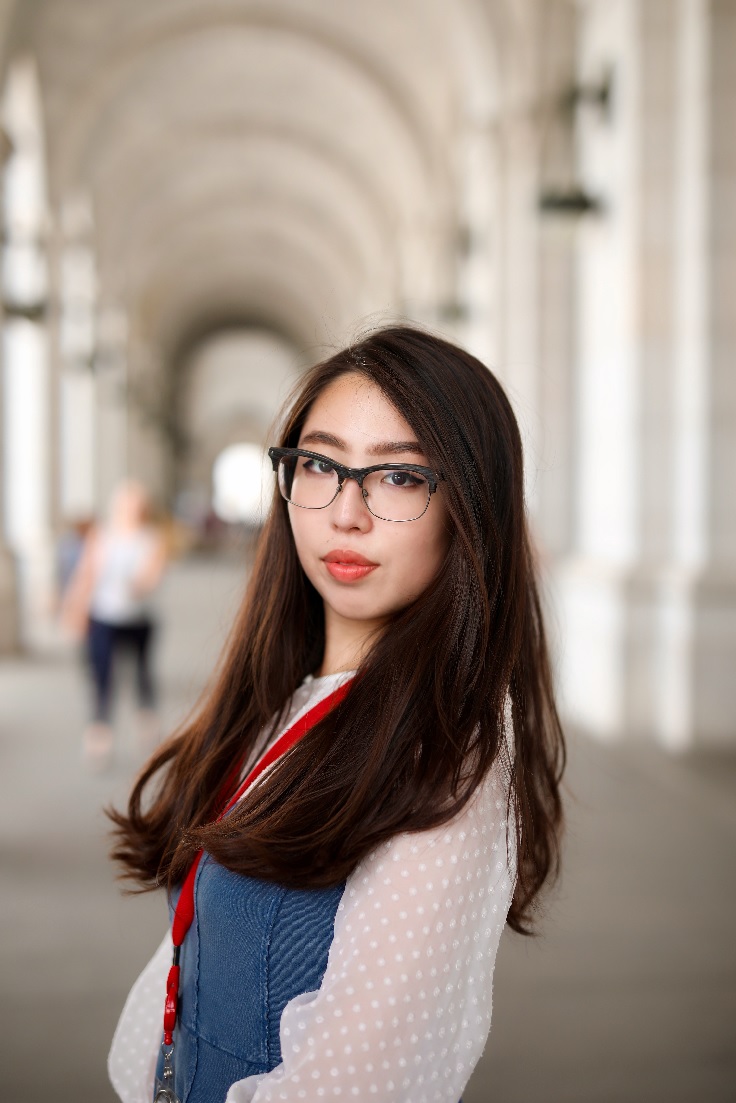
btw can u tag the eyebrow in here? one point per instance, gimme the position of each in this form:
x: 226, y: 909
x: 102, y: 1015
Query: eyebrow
x: 384, y: 448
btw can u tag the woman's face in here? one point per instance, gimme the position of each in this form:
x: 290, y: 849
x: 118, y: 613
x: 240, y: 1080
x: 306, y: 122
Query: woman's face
x: 353, y: 422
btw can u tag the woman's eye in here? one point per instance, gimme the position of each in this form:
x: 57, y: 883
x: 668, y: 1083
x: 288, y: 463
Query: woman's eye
x: 318, y: 467
x: 403, y: 479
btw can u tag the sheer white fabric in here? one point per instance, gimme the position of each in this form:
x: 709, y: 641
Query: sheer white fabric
x: 404, y: 1008
x: 131, y: 1064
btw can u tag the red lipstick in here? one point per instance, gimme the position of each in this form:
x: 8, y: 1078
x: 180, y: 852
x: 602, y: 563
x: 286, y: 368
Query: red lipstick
x: 348, y: 566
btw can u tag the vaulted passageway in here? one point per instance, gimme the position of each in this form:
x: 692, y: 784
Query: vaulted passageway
x: 202, y: 197
x: 549, y: 184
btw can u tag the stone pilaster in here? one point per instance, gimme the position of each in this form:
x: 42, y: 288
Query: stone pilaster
x: 9, y: 613
x: 649, y: 596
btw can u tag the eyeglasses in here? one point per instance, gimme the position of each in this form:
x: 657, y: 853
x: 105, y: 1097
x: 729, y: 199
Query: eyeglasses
x: 391, y: 491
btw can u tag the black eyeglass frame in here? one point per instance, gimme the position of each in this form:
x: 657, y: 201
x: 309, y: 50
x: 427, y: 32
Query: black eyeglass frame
x: 357, y: 473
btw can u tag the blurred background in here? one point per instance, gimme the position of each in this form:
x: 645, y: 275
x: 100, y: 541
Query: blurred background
x: 202, y: 197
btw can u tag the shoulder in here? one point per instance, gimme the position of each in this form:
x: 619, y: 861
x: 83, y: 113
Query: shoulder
x: 475, y: 849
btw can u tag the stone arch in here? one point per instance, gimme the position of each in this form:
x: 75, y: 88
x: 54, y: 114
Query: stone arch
x: 221, y: 403
x: 116, y: 71
x: 358, y: 213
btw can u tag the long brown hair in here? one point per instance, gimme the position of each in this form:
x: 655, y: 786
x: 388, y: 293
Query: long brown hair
x: 421, y: 725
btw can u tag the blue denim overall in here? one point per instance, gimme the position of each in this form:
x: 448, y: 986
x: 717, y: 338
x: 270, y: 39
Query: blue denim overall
x: 252, y: 947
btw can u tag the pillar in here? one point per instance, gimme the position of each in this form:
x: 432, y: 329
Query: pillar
x: 9, y: 612
x: 649, y: 593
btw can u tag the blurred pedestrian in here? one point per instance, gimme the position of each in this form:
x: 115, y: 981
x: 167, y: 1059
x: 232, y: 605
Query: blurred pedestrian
x: 109, y: 604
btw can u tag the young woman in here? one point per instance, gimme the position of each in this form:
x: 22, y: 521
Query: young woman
x: 109, y: 602
x: 336, y: 917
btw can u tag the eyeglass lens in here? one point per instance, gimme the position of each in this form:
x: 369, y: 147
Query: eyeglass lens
x: 392, y: 495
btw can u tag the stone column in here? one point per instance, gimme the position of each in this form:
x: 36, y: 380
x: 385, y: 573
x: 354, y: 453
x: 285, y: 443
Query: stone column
x: 9, y: 613
x: 650, y: 594
x: 534, y: 260
x: 535, y: 277
x: 110, y: 421
x: 517, y: 366
x: 623, y: 502
x: 555, y: 287
x: 111, y: 397
x: 29, y: 398
x: 74, y: 361
x: 697, y: 688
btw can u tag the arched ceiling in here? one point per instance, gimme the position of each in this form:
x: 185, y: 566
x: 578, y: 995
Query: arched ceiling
x: 293, y: 160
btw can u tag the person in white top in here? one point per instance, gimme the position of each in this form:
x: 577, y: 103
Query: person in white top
x: 109, y: 603
x: 369, y: 789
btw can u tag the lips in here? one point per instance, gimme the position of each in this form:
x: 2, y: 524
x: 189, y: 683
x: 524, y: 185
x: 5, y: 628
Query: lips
x: 343, y: 556
x: 348, y: 566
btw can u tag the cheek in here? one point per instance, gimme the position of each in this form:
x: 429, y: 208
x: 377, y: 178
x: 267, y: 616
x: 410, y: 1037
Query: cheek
x: 417, y: 556
x: 304, y: 526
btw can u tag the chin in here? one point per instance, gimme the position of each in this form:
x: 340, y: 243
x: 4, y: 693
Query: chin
x: 355, y: 606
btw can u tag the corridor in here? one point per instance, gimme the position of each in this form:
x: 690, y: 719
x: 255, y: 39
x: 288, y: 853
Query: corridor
x: 629, y: 996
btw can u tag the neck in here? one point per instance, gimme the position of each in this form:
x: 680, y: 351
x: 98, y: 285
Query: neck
x: 346, y: 642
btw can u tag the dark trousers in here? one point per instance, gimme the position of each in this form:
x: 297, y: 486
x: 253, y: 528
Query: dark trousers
x: 104, y: 642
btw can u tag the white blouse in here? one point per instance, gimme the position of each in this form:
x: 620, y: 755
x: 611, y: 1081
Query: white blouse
x: 404, y: 1008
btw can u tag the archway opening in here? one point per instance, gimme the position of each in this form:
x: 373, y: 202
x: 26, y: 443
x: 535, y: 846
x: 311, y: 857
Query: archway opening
x: 234, y: 382
x: 241, y: 484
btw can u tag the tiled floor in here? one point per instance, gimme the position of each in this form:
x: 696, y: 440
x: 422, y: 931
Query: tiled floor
x: 628, y: 996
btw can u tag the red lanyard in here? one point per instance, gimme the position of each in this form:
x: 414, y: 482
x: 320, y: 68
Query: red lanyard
x: 184, y: 912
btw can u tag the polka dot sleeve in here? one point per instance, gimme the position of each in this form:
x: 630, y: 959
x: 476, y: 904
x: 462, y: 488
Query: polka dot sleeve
x: 404, y: 1009
x: 131, y: 1063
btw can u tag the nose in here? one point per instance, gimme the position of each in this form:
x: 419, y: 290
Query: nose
x: 349, y: 510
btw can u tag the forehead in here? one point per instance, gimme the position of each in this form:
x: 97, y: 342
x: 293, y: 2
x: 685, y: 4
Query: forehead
x: 356, y: 409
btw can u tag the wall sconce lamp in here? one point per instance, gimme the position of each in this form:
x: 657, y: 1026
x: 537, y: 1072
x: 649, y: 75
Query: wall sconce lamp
x: 35, y: 311
x: 573, y: 200
x: 598, y: 95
